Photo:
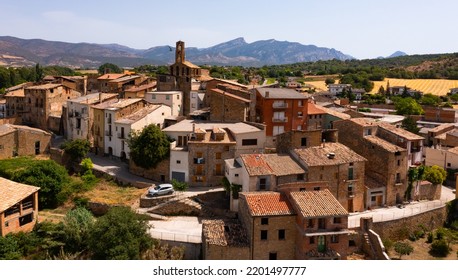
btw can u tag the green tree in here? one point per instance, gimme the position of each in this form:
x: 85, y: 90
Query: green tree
x: 77, y: 226
x: 407, y: 106
x: 179, y: 186
x: 435, y: 174
x: 329, y: 81
x: 430, y: 100
x: 49, y: 176
x: 119, y: 235
x: 410, y: 124
x: 402, y: 248
x: 38, y: 73
x: 148, y: 147
x: 110, y: 67
x: 76, y: 149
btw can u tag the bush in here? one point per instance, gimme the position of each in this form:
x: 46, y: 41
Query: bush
x: 402, y: 248
x: 439, y: 248
x: 388, y: 243
x: 430, y: 237
x: 76, y: 149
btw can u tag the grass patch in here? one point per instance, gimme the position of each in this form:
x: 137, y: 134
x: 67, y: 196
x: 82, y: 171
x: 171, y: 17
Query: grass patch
x: 108, y: 192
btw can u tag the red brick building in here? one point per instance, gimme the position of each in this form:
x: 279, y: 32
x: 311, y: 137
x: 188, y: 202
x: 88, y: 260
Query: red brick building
x: 281, y: 110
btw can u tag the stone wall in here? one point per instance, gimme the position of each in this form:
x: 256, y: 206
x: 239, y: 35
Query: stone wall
x: 159, y: 174
x: 293, y: 140
x: 400, y: 229
x: 216, y: 252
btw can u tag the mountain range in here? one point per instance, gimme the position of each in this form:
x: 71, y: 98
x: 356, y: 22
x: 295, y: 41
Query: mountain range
x: 26, y: 52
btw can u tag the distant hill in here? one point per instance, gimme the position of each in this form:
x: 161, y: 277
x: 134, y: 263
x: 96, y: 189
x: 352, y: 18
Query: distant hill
x: 397, y: 54
x: 22, y: 52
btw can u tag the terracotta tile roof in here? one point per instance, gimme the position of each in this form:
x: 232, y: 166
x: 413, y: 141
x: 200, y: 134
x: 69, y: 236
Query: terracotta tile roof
x: 317, y: 204
x: 15, y: 93
x: 267, y: 204
x: 321, y: 156
x: 280, y: 93
x: 12, y: 193
x: 124, y: 79
x: 138, y: 115
x: 45, y: 86
x: 224, y: 233
x: 93, y: 98
x: 372, y: 183
x: 364, y: 121
x: 383, y: 144
x: 140, y: 88
x: 270, y: 164
x: 444, y: 126
x: 111, y: 76
x: 400, y: 132
x: 334, y: 113
x: 453, y: 150
x: 190, y: 64
x: 313, y: 109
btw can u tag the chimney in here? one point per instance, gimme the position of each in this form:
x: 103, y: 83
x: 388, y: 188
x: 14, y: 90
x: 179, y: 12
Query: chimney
x: 193, y: 128
x: 267, y: 94
x: 100, y: 97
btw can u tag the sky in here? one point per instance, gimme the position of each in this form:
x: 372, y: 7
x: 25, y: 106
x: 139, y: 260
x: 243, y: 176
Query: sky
x: 360, y: 28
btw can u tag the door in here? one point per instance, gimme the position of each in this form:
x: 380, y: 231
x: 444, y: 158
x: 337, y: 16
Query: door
x: 321, y: 243
x: 179, y: 176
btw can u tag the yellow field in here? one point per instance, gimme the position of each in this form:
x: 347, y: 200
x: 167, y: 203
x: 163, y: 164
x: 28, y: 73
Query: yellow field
x: 434, y: 86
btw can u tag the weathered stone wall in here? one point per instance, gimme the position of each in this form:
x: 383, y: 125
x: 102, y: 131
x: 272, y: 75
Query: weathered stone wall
x: 8, y: 145
x: 400, y: 229
x: 179, y: 208
x: 215, y: 252
x: 293, y: 140
x: 227, y: 109
x: 159, y: 174
x: 26, y: 141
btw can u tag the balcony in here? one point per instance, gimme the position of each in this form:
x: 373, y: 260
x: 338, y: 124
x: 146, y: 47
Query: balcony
x: 108, y: 133
x: 109, y: 120
x: 121, y: 135
x: 280, y: 105
x: 415, y: 149
x: 351, y: 194
x: 280, y: 119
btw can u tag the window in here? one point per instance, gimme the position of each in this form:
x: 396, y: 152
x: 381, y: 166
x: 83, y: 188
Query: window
x: 218, y: 155
x: 302, y: 189
x: 37, y: 147
x: 281, y: 234
x: 249, y: 142
x: 178, y: 161
x: 350, y: 190
x: 312, y: 240
x: 316, y: 188
x: 300, y: 103
x: 272, y: 255
x: 178, y: 97
x: 398, y: 178
x: 153, y: 96
x: 310, y: 223
x: 367, y: 131
x: 262, y: 183
x: 337, y: 220
x: 300, y: 114
x: 25, y: 219
x: 167, y: 97
x: 321, y: 223
x: 399, y: 163
x: 334, y: 239
x: 264, y: 221
x: 236, y: 175
x: 350, y: 172
x: 263, y: 234
x: 278, y: 130
x: 304, y: 142
x: 300, y: 177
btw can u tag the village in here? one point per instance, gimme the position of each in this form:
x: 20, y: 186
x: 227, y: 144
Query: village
x: 258, y: 171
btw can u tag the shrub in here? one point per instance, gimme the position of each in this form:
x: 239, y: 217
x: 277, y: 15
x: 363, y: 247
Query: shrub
x: 402, y: 248
x: 388, y: 243
x: 430, y: 237
x: 76, y: 149
x: 439, y: 248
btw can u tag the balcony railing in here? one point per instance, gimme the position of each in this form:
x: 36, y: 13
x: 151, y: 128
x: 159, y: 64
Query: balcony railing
x: 109, y: 120
x: 279, y: 119
x: 108, y: 133
x: 121, y: 135
x: 199, y: 161
x: 280, y: 105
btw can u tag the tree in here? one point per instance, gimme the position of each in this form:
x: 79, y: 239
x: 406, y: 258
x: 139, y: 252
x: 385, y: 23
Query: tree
x: 410, y: 124
x: 49, y: 176
x: 38, y: 73
x: 77, y: 226
x: 402, y: 248
x: 329, y: 81
x: 407, y: 106
x: 76, y: 149
x: 109, y: 68
x: 435, y: 174
x: 119, y: 235
x: 430, y: 100
x: 148, y: 147
x: 179, y: 186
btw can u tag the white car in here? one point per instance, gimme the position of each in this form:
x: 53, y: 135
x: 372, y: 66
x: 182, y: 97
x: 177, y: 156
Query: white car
x: 162, y: 189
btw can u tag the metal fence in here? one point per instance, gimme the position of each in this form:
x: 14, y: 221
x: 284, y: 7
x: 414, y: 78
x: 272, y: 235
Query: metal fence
x: 395, y: 213
x: 179, y: 237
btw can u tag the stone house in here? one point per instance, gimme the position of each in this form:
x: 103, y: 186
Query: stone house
x: 45, y: 102
x: 390, y: 151
x: 228, y: 107
x: 270, y: 223
x: 281, y: 110
x: 105, y: 114
x: 18, y: 140
x: 439, y: 114
x: 119, y: 85
x: 436, y: 135
x: 103, y: 81
x: 321, y: 224
x: 18, y: 207
x: 199, y: 149
x: 262, y: 172
x: 340, y: 168
x: 315, y: 117
x: 308, y: 225
x: 80, y: 115
x: 150, y: 114
x: 224, y: 240
x: 139, y: 91
x: 336, y: 89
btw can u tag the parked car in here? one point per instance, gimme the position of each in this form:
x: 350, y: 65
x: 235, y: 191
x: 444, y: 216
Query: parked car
x: 162, y: 189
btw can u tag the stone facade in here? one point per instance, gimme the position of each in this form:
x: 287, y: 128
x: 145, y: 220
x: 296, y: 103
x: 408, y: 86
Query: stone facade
x: 43, y: 101
x: 298, y: 139
x: 228, y: 107
x: 18, y: 140
x: 158, y: 174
